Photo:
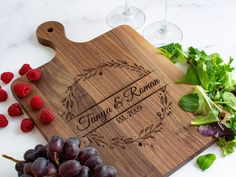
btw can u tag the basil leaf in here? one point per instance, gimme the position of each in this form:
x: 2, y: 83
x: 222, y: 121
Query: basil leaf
x: 191, y: 77
x: 189, y: 102
x: 205, y: 161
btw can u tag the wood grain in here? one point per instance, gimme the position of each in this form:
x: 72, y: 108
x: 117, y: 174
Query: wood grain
x: 119, y: 95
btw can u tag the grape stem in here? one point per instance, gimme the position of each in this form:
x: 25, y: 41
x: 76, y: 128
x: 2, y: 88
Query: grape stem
x: 55, y: 158
x: 10, y: 158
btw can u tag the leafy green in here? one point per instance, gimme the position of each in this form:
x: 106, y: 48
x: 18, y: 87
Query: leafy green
x: 191, y: 77
x: 173, y: 51
x: 194, y: 55
x: 227, y: 147
x: 210, y: 118
x: 228, y: 83
x: 205, y: 161
x: 199, y: 103
x: 232, y: 123
x: 220, y: 74
x: 202, y: 74
x: 230, y: 100
x: 205, y: 103
x: 189, y: 102
x: 214, y: 86
x: 210, y: 70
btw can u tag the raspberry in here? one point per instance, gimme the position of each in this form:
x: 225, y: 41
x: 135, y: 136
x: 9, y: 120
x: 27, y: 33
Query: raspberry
x: 6, y: 77
x: 3, y: 95
x: 26, y: 125
x: 46, y: 117
x: 24, y: 69
x: 21, y: 89
x: 3, y: 121
x: 15, y: 110
x: 33, y: 74
x: 36, y: 102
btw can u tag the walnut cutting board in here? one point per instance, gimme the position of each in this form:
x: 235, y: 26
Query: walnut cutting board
x: 118, y: 95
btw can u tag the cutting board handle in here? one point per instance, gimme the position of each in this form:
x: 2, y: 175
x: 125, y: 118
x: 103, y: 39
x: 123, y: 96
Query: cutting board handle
x: 52, y: 34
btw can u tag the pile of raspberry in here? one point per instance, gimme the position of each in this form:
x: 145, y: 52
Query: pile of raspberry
x: 23, y: 90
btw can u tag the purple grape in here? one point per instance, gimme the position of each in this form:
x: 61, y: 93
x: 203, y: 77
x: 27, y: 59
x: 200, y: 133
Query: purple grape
x: 93, y: 161
x: 51, y: 169
x: 27, y: 168
x: 86, y: 153
x: 39, y: 166
x: 30, y: 155
x: 19, y: 174
x: 112, y: 172
x: 104, y: 171
x: 26, y: 175
x: 64, y: 159
x: 20, y: 166
x: 71, y: 149
x: 49, y: 155
x: 100, y: 170
x: 55, y: 144
x: 41, y: 150
x: 84, y: 172
x: 38, y: 146
x: 70, y: 168
x: 76, y: 140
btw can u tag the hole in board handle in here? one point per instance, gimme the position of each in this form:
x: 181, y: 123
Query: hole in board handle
x: 50, y: 30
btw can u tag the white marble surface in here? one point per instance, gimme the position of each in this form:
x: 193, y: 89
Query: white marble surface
x: 206, y: 24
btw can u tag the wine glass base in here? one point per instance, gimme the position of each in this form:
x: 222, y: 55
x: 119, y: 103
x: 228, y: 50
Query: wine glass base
x: 133, y: 17
x: 155, y: 35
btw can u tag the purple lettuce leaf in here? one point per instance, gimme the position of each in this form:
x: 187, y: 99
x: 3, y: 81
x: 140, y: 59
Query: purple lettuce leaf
x: 217, y: 130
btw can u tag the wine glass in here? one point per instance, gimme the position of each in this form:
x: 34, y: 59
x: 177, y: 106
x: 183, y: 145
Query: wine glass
x: 163, y: 32
x: 127, y: 15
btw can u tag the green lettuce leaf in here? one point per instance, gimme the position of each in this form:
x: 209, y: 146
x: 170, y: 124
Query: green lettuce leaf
x: 194, y: 55
x: 191, y: 77
x: 205, y: 161
x: 173, y: 51
x: 211, y: 117
x: 230, y: 100
x: 189, y: 102
x: 227, y: 147
x: 232, y: 123
x: 202, y: 74
x: 199, y: 103
x: 205, y: 103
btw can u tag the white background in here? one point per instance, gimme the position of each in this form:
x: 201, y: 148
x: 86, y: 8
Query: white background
x: 206, y: 24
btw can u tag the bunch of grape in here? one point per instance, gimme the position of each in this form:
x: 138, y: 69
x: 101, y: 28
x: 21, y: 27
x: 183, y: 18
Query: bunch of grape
x: 61, y: 158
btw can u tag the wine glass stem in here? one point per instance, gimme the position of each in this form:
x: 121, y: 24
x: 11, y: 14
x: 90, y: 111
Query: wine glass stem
x: 126, y: 11
x: 164, y: 20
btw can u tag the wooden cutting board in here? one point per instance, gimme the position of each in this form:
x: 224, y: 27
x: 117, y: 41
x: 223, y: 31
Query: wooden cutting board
x: 118, y: 95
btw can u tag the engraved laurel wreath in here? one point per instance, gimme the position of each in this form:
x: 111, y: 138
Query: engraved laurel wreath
x: 120, y: 141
